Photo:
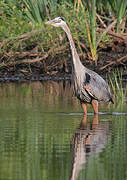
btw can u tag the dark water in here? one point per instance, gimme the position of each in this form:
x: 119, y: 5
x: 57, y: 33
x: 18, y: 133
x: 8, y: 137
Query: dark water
x: 44, y: 136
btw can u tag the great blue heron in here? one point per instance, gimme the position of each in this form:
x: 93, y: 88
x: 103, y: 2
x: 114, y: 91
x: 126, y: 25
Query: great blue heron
x: 89, y: 86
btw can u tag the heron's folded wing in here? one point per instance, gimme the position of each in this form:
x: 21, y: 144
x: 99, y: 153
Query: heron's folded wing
x: 96, y: 87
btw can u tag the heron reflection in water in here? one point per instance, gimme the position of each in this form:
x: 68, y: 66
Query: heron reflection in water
x: 87, y: 140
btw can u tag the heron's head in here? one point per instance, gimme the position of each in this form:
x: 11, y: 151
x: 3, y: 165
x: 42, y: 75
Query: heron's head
x: 57, y: 22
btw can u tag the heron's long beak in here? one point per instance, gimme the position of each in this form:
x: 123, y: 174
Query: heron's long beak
x: 50, y: 22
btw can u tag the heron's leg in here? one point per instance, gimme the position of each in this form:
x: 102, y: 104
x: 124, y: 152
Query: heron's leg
x: 95, y: 106
x: 84, y: 108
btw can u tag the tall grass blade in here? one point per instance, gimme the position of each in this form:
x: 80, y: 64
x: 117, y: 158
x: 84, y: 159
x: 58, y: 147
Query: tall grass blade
x: 36, y: 10
x: 91, y: 6
x: 119, y: 9
x: 117, y: 86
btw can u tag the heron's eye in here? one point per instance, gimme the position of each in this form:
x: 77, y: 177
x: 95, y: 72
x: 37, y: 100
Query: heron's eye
x: 59, y: 21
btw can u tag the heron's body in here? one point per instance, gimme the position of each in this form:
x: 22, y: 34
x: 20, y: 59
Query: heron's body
x: 89, y: 86
x: 93, y: 87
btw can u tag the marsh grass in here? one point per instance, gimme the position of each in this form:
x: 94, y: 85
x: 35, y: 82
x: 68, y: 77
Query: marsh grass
x: 21, y: 17
x: 116, y: 83
x: 48, y: 38
x: 119, y: 10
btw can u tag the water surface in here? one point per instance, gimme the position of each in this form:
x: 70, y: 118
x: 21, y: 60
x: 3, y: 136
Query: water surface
x: 44, y: 136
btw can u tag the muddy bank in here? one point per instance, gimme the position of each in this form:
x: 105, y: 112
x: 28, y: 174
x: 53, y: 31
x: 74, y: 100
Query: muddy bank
x: 110, y: 58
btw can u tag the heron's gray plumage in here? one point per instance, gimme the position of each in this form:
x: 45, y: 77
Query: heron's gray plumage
x: 99, y: 90
x: 88, y: 84
x: 98, y: 86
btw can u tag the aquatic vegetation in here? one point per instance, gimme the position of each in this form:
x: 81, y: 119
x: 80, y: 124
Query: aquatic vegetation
x: 119, y: 9
x: 37, y: 11
x: 116, y: 82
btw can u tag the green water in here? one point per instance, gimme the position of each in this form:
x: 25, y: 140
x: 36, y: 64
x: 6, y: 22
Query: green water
x: 43, y: 136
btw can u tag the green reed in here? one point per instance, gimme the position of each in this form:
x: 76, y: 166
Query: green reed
x: 119, y: 10
x: 88, y: 10
x: 37, y: 11
x: 117, y: 85
x: 91, y: 6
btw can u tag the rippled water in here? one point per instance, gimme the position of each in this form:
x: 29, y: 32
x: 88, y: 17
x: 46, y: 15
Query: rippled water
x: 44, y: 136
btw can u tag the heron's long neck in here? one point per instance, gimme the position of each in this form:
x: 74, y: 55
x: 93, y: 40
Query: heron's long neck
x: 76, y: 61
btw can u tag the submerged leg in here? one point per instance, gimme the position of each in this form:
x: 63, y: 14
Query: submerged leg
x: 95, y: 121
x: 83, y: 122
x: 84, y: 108
x: 95, y: 106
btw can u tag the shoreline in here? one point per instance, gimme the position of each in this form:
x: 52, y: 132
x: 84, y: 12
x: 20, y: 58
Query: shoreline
x: 44, y: 78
